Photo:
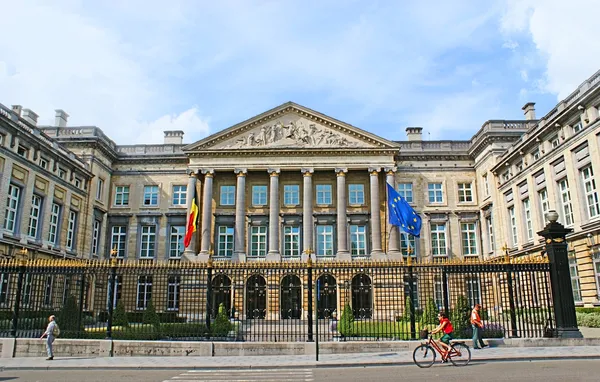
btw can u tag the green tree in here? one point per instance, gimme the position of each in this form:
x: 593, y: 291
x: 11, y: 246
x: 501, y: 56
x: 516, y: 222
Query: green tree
x: 150, y: 317
x: 346, y: 324
x: 68, y: 318
x: 407, y: 308
x: 221, y: 325
x: 430, y: 313
x: 120, y: 315
x: 460, y: 317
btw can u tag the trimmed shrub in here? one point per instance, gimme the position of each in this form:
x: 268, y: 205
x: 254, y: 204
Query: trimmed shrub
x: 221, y: 325
x: 346, y: 323
x: 589, y: 320
x: 430, y: 314
x: 460, y: 317
x: 68, y: 317
x: 588, y: 310
x: 120, y: 315
x: 150, y: 317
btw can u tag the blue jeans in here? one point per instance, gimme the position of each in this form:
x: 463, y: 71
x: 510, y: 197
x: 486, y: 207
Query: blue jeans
x: 49, y: 341
x: 477, y: 341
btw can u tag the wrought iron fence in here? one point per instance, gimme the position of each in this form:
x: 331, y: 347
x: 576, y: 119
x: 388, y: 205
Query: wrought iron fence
x: 288, y: 301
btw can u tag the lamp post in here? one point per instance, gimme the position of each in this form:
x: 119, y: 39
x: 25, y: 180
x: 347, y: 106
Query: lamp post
x: 560, y: 278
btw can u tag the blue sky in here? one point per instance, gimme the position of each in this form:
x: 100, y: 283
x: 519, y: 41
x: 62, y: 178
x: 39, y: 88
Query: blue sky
x: 136, y: 68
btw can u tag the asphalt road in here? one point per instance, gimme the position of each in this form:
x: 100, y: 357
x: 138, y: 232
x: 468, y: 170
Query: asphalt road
x: 546, y: 371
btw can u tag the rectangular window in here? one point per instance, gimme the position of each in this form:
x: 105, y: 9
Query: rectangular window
x: 414, y: 288
x: 356, y: 194
x: 358, y: 240
x: 490, y: 227
x: 565, y: 198
x: 408, y: 244
x: 436, y: 194
x: 520, y: 165
x: 486, y: 185
x: 121, y: 195
x: 4, y: 282
x: 54, y: 222
x: 544, y: 204
x: 77, y: 182
x: 554, y: 141
x: 597, y: 273
x: 118, y: 240
x: 473, y: 290
x: 66, y: 288
x: 505, y: 176
x: 180, y: 195
x: 469, y: 239
x: 227, y: 196
x: 99, y: 189
x: 291, y: 241
x: 258, y: 241
x: 71, y: 230
x: 150, y: 195
x: 259, y: 195
x: 575, y: 284
x: 12, y: 208
x: 406, y: 191
x: 148, y: 241
x: 325, y: 240
x: 23, y: 151
x: 225, y: 241
x: 173, y: 288
x: 291, y: 195
x: 513, y: 226
x: 62, y: 173
x: 116, y: 291
x: 465, y: 193
x: 438, y: 239
x: 27, y: 282
x: 144, y: 291
x: 536, y: 154
x: 44, y: 163
x: 591, y: 196
x: 438, y: 292
x: 528, y: 220
x: 176, y: 241
x: 48, y: 290
x: 96, y: 237
x: 577, y: 127
x: 34, y: 216
x: 324, y: 194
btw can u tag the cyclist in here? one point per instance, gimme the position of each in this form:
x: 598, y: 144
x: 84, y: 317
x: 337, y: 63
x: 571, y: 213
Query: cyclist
x: 446, y: 327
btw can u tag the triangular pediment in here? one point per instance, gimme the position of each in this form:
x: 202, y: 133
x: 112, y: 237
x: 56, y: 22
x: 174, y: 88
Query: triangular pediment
x: 291, y: 126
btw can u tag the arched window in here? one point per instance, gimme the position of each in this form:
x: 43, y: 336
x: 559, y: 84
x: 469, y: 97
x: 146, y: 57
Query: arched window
x: 256, y: 297
x: 362, y: 296
x: 221, y: 294
x: 327, y: 295
x: 291, y: 297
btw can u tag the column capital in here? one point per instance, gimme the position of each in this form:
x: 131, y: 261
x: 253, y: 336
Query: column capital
x: 240, y: 171
x: 374, y: 170
x: 208, y: 172
x: 193, y: 174
x: 390, y: 170
x: 307, y: 171
x: 274, y: 171
x: 341, y: 171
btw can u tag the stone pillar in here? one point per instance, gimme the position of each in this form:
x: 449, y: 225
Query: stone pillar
x: 393, y: 250
x: 307, y: 214
x: 273, y: 254
x: 376, y: 251
x: 239, y: 252
x: 341, y: 219
x: 560, y: 277
x: 206, y: 214
x: 191, y: 250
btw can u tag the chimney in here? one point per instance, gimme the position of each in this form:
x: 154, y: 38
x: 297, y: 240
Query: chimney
x: 17, y: 109
x: 529, y: 111
x: 60, y: 119
x: 174, y: 137
x: 30, y: 116
x: 414, y: 133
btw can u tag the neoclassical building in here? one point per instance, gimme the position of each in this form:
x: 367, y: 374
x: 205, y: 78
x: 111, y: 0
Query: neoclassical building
x: 292, y: 181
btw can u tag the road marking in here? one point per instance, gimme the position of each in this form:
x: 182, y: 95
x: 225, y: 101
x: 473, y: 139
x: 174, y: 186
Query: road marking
x: 249, y: 375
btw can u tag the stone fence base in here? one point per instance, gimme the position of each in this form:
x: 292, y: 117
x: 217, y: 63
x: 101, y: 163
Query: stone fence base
x: 26, y: 347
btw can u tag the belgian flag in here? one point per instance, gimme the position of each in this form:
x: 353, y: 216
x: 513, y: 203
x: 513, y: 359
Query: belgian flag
x: 191, y: 225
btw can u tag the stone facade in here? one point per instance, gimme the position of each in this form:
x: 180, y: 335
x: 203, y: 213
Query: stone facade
x: 292, y: 182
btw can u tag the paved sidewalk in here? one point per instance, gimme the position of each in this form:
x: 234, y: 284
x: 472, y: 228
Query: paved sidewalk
x: 326, y: 360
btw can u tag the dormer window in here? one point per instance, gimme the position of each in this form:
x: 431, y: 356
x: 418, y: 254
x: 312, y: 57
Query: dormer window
x: 577, y: 127
x: 554, y: 141
x: 23, y: 151
x: 44, y: 163
x: 536, y: 154
x: 62, y: 173
x: 77, y: 182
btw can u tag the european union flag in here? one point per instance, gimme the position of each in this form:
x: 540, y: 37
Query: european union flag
x: 402, y: 214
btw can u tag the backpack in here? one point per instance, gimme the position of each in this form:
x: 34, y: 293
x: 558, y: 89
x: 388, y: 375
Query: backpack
x: 56, y: 330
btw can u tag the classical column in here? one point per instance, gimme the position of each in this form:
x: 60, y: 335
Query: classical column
x: 273, y: 254
x: 240, y: 215
x: 191, y: 250
x: 394, y: 243
x: 206, y: 213
x: 342, y: 221
x: 307, y: 213
x: 375, y: 216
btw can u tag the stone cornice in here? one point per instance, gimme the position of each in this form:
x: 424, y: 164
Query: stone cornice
x: 293, y: 152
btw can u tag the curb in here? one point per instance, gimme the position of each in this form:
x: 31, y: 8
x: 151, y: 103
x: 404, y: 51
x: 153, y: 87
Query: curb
x: 313, y: 365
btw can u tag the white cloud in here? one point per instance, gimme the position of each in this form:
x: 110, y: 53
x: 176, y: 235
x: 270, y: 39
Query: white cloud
x: 563, y: 33
x: 512, y: 45
x: 189, y: 121
x: 56, y: 58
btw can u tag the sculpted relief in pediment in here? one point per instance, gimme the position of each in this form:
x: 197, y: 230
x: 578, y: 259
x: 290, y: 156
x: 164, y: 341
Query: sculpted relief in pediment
x: 292, y: 132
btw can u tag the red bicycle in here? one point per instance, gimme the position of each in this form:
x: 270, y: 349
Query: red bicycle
x: 424, y: 355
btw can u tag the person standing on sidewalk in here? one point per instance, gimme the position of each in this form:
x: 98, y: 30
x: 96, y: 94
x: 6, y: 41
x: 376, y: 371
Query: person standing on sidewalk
x: 477, y: 327
x: 51, y: 333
